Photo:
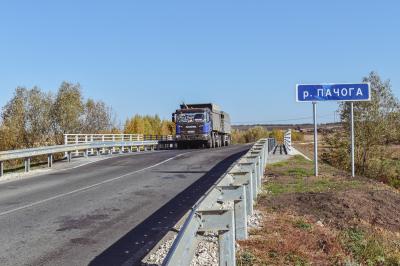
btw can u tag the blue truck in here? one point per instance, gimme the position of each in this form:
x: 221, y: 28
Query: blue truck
x: 202, y: 125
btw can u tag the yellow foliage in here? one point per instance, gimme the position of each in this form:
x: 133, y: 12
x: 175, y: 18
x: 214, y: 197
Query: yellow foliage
x: 149, y: 125
x: 250, y: 135
x: 277, y: 134
x: 297, y: 136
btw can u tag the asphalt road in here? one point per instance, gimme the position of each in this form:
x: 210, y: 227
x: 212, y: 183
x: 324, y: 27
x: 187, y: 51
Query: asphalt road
x: 109, y: 212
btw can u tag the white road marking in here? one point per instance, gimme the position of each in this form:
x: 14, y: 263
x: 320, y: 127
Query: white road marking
x: 88, y: 187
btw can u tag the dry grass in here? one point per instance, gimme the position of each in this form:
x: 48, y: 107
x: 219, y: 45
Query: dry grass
x: 328, y: 220
x: 288, y: 239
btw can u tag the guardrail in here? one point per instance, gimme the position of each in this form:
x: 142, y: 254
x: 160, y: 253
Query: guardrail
x: 86, y: 148
x: 88, y: 138
x: 287, y: 141
x: 238, y: 187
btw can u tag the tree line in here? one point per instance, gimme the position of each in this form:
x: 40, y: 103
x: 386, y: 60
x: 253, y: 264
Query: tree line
x: 33, y: 118
x: 149, y: 125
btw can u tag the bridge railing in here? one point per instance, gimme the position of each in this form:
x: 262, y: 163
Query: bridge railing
x: 271, y: 144
x: 84, y: 148
x: 88, y: 138
x: 287, y: 141
x: 224, y: 209
x: 91, y: 138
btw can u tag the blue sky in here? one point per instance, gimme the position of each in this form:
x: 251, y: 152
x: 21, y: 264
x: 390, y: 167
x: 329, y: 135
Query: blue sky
x: 148, y: 56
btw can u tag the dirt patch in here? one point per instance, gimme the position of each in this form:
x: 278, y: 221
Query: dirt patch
x: 327, y: 220
x: 288, y: 239
x: 379, y: 208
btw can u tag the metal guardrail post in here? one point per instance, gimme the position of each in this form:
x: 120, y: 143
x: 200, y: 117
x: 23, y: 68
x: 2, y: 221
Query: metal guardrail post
x: 91, y: 140
x: 221, y: 221
x: 237, y: 194
x: 256, y: 172
x: 246, y: 179
x: 254, y: 179
x: 50, y: 160
x: 259, y: 152
x: 69, y: 157
x: 76, y: 142
x: 27, y: 164
x: 1, y: 168
x: 102, y: 140
x: 65, y: 143
x: 113, y: 140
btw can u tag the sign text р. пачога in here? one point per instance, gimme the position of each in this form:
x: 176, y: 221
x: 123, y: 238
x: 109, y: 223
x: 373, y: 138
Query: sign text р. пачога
x: 333, y: 92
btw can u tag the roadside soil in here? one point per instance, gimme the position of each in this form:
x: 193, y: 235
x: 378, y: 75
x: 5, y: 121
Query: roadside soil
x: 332, y: 219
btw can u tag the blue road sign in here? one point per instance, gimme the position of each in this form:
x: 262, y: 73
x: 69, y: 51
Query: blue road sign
x: 333, y: 92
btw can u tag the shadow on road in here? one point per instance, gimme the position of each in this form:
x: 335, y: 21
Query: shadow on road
x: 131, y: 248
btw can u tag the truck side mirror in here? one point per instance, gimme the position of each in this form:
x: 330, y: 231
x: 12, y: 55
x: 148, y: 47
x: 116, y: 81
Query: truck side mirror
x: 173, y: 118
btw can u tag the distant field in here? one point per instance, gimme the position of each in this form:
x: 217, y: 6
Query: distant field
x: 305, y: 127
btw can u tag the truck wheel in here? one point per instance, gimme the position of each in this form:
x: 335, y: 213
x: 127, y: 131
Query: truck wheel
x: 182, y: 146
x: 209, y: 144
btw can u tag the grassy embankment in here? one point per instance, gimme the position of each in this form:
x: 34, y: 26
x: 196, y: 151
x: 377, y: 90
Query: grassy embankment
x: 327, y: 220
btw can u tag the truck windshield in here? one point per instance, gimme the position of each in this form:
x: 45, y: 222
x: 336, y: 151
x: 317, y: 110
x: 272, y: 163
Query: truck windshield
x: 191, y: 117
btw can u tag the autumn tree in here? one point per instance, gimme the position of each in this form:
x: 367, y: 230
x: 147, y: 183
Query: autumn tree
x: 68, y: 109
x: 12, y: 131
x: 27, y: 119
x: 35, y: 118
x: 376, y: 126
x: 149, y: 125
x: 97, y: 117
x: 250, y: 135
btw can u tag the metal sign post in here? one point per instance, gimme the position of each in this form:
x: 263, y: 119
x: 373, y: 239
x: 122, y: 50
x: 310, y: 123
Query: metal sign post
x: 333, y: 92
x: 353, y: 170
x: 315, y: 138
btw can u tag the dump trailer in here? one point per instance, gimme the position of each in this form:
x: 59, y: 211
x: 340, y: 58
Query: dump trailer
x: 202, y: 125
